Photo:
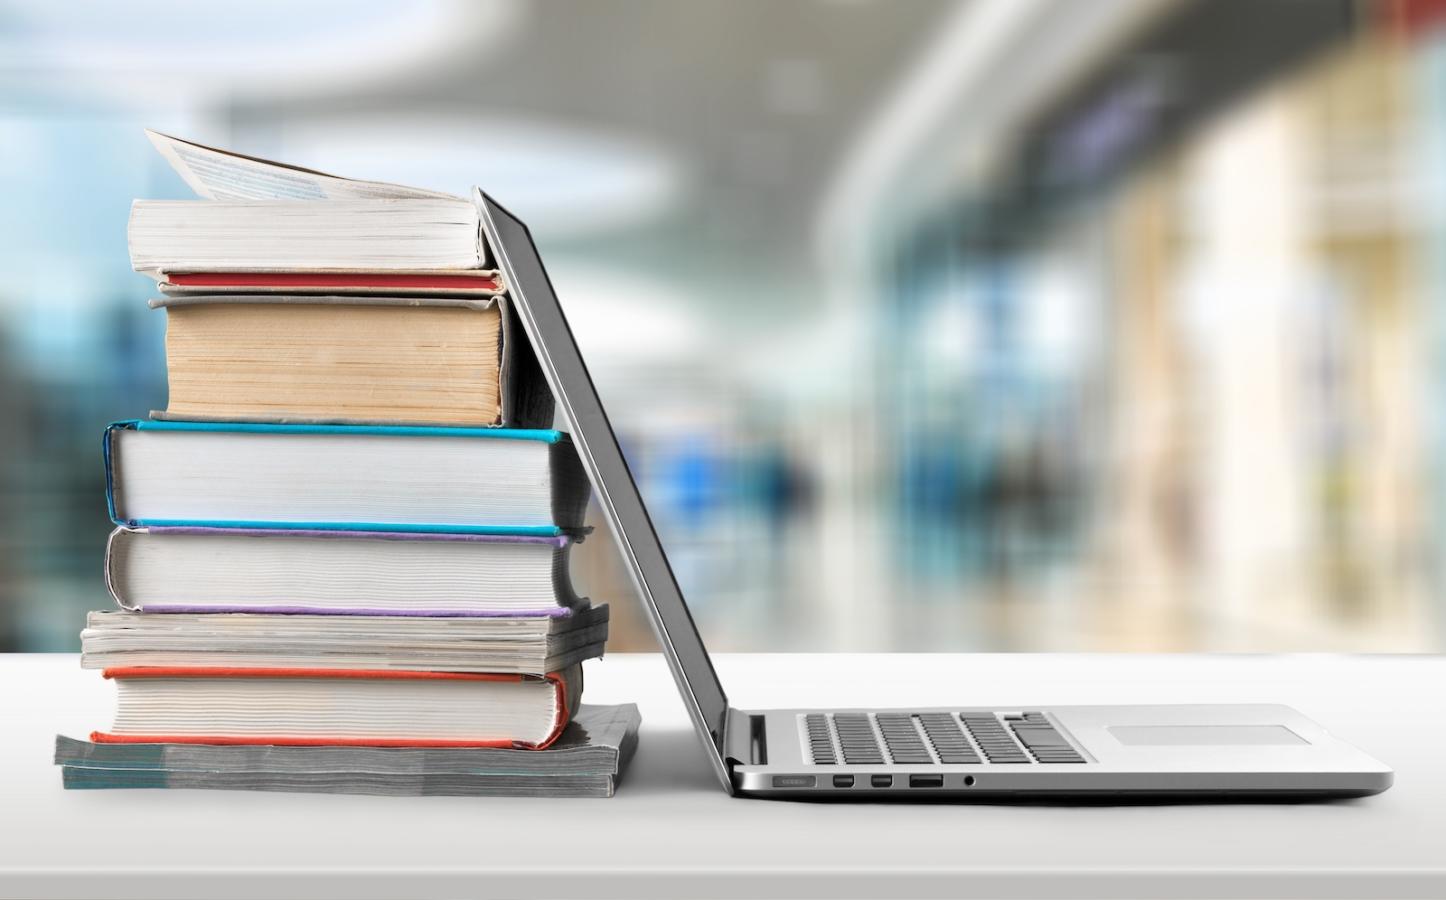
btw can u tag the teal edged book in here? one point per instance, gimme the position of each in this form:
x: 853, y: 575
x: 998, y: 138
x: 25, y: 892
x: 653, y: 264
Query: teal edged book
x: 343, y: 478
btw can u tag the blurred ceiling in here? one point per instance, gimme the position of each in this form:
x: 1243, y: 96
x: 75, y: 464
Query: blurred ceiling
x: 741, y: 109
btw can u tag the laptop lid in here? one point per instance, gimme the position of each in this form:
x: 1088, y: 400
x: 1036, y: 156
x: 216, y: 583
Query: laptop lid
x: 535, y: 303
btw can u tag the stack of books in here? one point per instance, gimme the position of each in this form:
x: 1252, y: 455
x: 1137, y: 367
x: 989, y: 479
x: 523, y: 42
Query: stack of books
x: 346, y: 538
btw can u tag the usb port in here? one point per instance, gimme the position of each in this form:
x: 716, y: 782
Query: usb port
x: 926, y: 781
x: 881, y: 780
x: 843, y: 781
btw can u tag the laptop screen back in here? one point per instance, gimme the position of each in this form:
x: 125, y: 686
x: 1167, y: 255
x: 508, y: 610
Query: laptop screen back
x: 541, y: 316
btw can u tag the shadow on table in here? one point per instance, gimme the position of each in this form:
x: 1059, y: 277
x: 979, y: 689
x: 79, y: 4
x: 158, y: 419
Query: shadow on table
x: 668, y: 761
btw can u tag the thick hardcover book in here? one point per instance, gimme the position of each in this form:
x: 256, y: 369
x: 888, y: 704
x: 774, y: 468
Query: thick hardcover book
x: 179, y: 569
x: 351, y: 360
x: 339, y: 707
x: 344, y: 478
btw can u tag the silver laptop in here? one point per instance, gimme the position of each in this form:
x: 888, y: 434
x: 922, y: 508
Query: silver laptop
x: 1190, y: 751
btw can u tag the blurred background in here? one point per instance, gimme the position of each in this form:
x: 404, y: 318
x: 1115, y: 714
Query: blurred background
x: 997, y: 324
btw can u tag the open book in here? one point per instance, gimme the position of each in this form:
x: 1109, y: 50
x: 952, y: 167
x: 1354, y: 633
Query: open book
x: 334, y: 300
x: 216, y: 174
x: 253, y: 221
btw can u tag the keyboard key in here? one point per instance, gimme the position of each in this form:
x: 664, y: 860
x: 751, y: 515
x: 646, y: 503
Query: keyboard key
x: 1044, y: 741
x: 1036, y: 737
x: 994, y: 740
x: 820, y: 744
x: 924, y: 738
x: 856, y: 739
x: 902, y: 739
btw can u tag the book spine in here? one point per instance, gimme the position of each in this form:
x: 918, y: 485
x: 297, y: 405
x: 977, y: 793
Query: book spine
x: 565, y: 699
x: 112, y: 555
x: 527, y: 401
x: 108, y: 451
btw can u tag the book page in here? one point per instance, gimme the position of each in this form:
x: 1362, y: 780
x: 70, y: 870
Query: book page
x: 222, y: 175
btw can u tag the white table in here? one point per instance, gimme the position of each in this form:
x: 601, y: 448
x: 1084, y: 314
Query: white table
x: 672, y: 832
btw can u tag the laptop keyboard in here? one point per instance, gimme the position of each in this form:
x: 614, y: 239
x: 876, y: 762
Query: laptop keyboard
x: 994, y: 740
x: 927, y: 738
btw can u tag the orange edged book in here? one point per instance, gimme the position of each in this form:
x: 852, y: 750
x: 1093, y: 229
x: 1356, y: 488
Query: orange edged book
x: 339, y: 707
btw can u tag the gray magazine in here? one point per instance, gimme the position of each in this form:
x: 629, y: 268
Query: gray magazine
x: 435, y: 785
x: 586, y: 761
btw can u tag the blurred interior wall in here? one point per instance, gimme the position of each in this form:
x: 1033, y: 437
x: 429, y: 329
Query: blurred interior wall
x: 1122, y: 331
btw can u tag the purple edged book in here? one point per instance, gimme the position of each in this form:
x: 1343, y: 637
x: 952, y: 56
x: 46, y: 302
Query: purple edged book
x: 260, y: 597
x: 190, y: 569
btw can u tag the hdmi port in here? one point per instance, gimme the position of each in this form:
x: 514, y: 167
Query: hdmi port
x: 926, y: 781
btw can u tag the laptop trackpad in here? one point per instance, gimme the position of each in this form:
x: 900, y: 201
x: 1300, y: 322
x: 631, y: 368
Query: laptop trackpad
x: 1204, y: 735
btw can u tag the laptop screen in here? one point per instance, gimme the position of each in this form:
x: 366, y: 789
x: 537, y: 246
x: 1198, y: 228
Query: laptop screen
x: 537, y: 308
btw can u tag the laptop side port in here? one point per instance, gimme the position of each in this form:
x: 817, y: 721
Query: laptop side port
x: 881, y: 781
x: 926, y: 781
x: 843, y: 781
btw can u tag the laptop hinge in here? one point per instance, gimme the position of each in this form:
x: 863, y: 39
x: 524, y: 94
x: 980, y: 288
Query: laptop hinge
x: 745, y: 740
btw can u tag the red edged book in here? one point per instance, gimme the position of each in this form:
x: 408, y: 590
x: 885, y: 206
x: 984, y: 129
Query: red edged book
x: 339, y: 707
x: 451, y: 282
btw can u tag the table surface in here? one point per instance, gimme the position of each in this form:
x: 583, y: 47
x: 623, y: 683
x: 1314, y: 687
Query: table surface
x: 671, y: 831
